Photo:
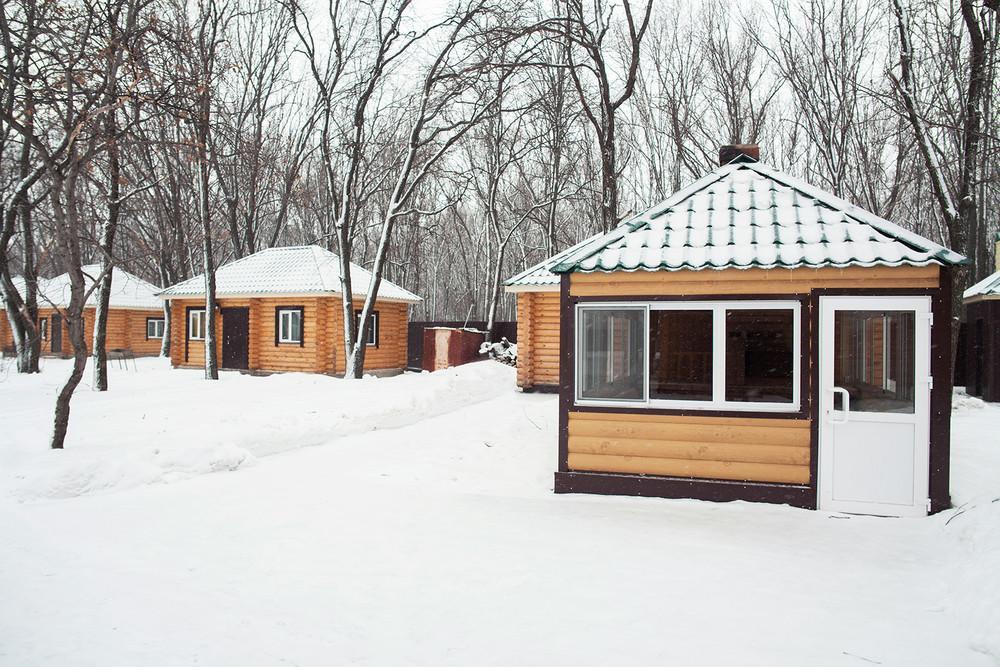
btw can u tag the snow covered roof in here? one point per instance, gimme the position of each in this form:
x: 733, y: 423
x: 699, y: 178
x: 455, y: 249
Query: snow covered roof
x: 745, y: 214
x: 127, y: 290
x: 288, y: 271
x: 539, y: 278
x: 987, y: 288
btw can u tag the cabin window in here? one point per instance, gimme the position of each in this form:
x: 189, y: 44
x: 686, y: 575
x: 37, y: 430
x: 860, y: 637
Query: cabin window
x: 196, y: 325
x: 289, y: 325
x: 372, y: 338
x: 154, y: 327
x: 43, y: 328
x: 726, y: 355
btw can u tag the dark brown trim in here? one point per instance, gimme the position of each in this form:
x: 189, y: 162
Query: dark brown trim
x: 302, y: 326
x: 161, y: 319
x: 814, y: 397
x: 694, y: 412
x: 941, y: 394
x: 680, y: 487
x: 795, y: 296
x: 567, y: 356
x: 541, y: 389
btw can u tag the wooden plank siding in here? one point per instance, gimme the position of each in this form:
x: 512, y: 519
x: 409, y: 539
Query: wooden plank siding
x: 537, y: 339
x: 751, y: 281
x: 751, y: 448
x: 730, y: 448
x: 322, y: 347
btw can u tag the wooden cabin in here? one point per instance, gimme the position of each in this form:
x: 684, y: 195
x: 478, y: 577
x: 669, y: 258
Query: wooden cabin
x: 755, y: 338
x: 982, y: 342
x: 135, y: 315
x: 281, y: 310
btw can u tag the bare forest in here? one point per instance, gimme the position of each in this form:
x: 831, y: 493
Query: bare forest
x: 447, y: 146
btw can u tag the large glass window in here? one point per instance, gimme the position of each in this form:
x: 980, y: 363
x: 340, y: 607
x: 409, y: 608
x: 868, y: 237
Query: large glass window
x: 289, y: 325
x: 680, y: 355
x: 721, y: 355
x: 759, y: 356
x: 611, y: 354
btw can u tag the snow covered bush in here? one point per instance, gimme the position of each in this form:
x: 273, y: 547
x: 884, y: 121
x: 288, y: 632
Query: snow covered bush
x: 505, y: 352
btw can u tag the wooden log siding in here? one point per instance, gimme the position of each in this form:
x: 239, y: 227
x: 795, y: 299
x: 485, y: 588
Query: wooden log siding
x: 322, y: 347
x: 537, y: 339
x: 126, y: 331
x: 751, y: 281
x: 728, y: 448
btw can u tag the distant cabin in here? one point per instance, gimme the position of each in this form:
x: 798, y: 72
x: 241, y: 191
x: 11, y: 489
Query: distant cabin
x: 982, y: 342
x: 135, y: 314
x: 752, y: 337
x: 281, y: 309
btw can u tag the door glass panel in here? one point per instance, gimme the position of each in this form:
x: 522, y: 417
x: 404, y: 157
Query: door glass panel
x: 874, y: 360
x: 680, y: 360
x: 612, y: 354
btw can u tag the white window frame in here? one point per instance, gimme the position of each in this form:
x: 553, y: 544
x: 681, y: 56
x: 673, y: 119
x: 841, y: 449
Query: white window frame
x: 372, y: 340
x: 43, y: 328
x: 718, y: 402
x: 198, y: 315
x: 159, y: 328
x: 289, y: 312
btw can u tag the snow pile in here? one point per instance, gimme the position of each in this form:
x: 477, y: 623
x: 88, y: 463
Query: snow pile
x: 975, y: 595
x: 505, y: 352
x: 170, y: 424
x: 962, y: 401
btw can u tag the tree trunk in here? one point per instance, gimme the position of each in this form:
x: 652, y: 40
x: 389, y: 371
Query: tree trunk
x: 167, y: 324
x: 208, y: 265
x: 107, y: 243
x: 74, y: 320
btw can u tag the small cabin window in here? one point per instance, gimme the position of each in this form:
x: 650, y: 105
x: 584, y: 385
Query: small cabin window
x: 372, y: 337
x: 43, y: 328
x: 154, y: 327
x: 290, y: 325
x: 727, y: 355
x: 196, y: 325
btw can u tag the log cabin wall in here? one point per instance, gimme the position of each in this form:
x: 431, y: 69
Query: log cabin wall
x: 538, y: 341
x: 765, y: 449
x: 126, y: 330
x: 322, y: 347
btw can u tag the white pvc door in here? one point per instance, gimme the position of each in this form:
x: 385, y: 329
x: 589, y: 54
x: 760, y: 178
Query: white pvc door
x: 874, y: 381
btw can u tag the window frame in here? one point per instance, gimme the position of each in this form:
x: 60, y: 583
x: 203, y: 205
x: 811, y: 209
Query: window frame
x: 280, y: 313
x: 718, y: 402
x: 373, y: 331
x: 43, y: 329
x: 192, y: 312
x: 162, y: 327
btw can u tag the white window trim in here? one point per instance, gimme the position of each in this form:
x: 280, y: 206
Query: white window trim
x: 191, y: 318
x: 372, y: 330
x: 718, y: 402
x: 282, y: 312
x: 159, y: 328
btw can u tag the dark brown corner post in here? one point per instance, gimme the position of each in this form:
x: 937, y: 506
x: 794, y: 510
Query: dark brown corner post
x: 940, y: 429
x: 566, y: 361
x: 810, y: 322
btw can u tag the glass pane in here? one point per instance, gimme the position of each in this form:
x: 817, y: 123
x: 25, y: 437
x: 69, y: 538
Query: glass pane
x: 296, y: 326
x: 680, y: 360
x: 612, y: 354
x: 873, y: 359
x: 759, y: 356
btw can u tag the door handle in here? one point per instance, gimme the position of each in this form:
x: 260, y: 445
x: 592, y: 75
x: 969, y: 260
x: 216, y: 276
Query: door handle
x: 847, y: 405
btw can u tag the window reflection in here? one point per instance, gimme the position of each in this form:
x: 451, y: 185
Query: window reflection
x: 873, y: 360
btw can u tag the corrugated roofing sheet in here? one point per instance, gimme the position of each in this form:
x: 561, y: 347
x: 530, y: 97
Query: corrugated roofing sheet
x: 746, y: 215
x: 540, y: 275
x: 127, y: 290
x: 987, y: 287
x: 288, y: 270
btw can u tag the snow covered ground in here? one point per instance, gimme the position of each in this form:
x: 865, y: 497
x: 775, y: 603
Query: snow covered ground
x: 410, y: 520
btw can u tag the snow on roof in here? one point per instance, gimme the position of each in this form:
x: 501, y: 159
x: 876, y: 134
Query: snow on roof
x: 745, y: 214
x: 127, y: 290
x: 540, y: 275
x: 289, y: 270
x: 988, y: 287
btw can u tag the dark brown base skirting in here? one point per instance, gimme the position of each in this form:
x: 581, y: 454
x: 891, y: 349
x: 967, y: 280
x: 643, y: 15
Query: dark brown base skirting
x: 541, y: 389
x: 676, y: 487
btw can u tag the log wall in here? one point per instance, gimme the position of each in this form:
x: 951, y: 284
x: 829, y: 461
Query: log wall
x: 728, y: 448
x: 537, y: 339
x: 126, y: 331
x: 322, y: 347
